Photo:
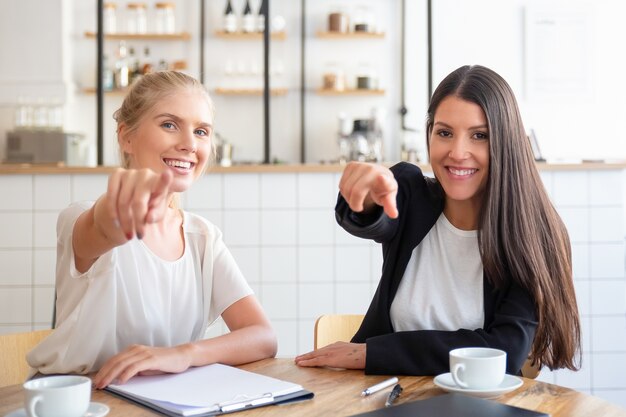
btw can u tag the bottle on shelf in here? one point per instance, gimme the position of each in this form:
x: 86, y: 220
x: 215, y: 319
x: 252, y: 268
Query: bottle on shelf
x: 55, y: 114
x: 163, y: 66
x: 147, y: 66
x: 248, y: 23
x: 134, y: 71
x: 165, y: 18
x: 110, y: 18
x: 108, y: 78
x: 23, y: 113
x: 260, y: 18
x: 122, y: 71
x: 375, y: 134
x: 343, y: 137
x: 230, y: 20
x: 137, y: 22
x: 40, y: 114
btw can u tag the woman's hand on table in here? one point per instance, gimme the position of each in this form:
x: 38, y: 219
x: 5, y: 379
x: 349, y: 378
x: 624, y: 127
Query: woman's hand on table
x: 337, y: 355
x: 142, y: 360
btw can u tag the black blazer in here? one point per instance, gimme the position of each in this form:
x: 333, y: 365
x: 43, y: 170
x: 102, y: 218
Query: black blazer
x: 510, y: 313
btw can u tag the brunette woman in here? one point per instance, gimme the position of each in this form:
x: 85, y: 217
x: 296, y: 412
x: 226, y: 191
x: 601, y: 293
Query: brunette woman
x: 477, y: 256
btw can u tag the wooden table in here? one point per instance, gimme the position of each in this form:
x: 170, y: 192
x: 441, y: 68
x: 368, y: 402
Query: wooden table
x: 337, y: 393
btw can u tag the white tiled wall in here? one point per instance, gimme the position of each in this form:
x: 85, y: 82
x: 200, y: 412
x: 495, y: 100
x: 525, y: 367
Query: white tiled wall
x: 592, y: 206
x: 281, y: 230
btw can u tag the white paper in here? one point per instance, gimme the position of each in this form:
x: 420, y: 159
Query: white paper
x: 204, y: 387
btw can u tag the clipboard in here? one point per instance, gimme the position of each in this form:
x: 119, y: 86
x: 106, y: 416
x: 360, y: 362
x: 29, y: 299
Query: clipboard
x: 208, y: 391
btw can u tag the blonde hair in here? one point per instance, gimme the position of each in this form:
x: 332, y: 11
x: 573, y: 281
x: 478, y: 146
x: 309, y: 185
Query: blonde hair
x: 146, y: 93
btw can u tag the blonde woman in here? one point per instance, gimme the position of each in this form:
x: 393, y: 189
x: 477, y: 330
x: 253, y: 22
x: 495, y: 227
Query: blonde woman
x: 138, y: 279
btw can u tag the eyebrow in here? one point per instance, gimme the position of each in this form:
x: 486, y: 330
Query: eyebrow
x: 178, y: 119
x: 471, y: 127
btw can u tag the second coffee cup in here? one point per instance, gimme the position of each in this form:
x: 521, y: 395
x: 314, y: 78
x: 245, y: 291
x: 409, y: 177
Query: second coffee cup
x: 477, y: 367
x: 58, y: 396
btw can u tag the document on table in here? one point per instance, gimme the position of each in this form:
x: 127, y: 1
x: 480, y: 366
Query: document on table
x: 208, y: 390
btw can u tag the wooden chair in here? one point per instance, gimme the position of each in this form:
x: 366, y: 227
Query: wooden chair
x: 13, y: 349
x: 332, y: 328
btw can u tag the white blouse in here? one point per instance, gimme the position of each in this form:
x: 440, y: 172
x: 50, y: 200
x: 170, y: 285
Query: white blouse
x: 131, y: 296
x: 442, y: 285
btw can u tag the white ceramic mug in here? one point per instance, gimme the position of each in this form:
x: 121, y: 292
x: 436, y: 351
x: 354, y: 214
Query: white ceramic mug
x: 57, y: 396
x: 477, y: 367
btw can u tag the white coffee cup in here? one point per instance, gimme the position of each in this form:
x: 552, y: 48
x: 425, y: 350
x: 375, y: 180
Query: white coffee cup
x: 477, y: 367
x: 57, y: 396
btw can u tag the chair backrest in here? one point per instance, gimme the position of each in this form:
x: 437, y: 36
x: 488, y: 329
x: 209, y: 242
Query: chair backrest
x: 13, y: 349
x: 331, y: 328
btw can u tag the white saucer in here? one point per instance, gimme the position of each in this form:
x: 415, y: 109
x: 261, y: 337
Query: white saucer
x: 94, y: 410
x: 510, y: 383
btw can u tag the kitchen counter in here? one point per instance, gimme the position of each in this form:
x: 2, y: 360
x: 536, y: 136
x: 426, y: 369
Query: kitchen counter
x: 280, y: 168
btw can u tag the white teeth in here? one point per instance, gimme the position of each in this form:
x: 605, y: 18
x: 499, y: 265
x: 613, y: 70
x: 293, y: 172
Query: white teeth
x: 462, y: 171
x: 178, y: 164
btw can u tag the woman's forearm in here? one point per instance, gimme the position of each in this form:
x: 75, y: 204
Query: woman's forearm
x: 240, y: 346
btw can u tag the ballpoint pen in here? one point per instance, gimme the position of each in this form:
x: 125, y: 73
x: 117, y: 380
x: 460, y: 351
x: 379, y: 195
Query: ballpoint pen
x: 381, y: 385
x: 395, y: 393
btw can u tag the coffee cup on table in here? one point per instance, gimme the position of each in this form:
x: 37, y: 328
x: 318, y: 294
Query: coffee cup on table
x: 57, y: 396
x: 477, y: 368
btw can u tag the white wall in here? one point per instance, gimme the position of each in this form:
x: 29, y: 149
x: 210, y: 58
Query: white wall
x: 575, y: 124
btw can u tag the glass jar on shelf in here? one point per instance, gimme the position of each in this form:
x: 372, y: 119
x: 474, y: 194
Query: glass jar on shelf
x: 363, y: 20
x: 165, y: 18
x: 333, y: 78
x: 110, y: 17
x: 338, y: 21
x: 366, y: 77
x: 136, y: 20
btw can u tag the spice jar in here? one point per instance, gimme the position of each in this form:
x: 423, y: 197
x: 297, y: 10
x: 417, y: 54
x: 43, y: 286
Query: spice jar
x: 338, y: 20
x: 136, y: 19
x: 363, y: 20
x: 165, y: 18
x: 365, y: 79
x: 110, y: 18
x: 333, y: 78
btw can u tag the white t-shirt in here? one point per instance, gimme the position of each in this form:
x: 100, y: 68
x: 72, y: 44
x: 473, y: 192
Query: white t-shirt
x: 442, y: 286
x: 131, y: 296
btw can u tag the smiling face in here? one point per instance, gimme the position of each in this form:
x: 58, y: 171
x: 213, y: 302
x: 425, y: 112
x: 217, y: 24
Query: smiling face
x: 174, y: 135
x: 459, y: 152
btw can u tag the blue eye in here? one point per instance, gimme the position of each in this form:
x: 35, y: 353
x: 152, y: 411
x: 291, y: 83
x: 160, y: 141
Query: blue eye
x: 168, y: 125
x: 201, y: 132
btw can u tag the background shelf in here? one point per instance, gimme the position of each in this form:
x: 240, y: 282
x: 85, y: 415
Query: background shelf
x: 247, y: 36
x: 249, y: 91
x: 350, y: 35
x: 349, y: 92
x: 182, y: 36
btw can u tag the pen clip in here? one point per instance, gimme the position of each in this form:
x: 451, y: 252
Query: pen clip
x: 395, y: 393
x: 239, y: 404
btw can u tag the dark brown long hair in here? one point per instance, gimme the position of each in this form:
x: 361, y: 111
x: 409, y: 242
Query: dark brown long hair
x: 520, y: 234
